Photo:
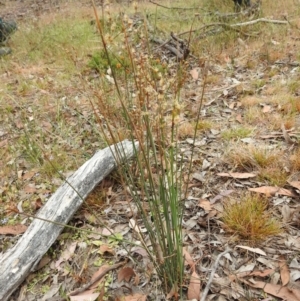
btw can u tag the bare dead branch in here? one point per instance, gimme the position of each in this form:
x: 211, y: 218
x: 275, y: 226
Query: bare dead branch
x: 101, y: 275
x: 232, y: 26
x: 172, y: 7
x: 286, y: 136
x: 263, y: 20
x: 178, y: 54
x: 211, y: 277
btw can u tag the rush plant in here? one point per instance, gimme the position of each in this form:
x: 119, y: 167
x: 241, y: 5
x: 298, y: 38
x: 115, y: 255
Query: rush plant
x: 142, y: 105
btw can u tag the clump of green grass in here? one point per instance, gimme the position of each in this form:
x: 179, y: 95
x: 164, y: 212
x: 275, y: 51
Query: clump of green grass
x: 30, y: 149
x: 294, y: 86
x: 204, y: 125
x: 236, y: 133
x: 147, y: 104
x: 249, y: 218
x: 253, y: 115
x: 49, y: 163
x: 259, y: 83
x: 265, y: 157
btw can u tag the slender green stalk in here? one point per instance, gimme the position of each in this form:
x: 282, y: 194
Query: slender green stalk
x: 154, y: 181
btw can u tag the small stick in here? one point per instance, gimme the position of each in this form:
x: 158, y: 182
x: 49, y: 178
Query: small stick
x: 234, y: 26
x: 286, y: 136
x: 168, y: 7
x: 82, y: 289
x: 211, y: 277
x: 258, y: 21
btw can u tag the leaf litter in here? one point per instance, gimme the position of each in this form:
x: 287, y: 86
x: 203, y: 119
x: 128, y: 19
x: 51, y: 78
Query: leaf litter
x: 214, y: 181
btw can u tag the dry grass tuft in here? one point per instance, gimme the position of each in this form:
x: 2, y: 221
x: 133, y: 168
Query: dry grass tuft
x: 250, y: 101
x: 267, y: 162
x: 249, y: 218
x: 295, y: 160
x: 185, y: 130
x: 250, y: 156
x: 274, y: 175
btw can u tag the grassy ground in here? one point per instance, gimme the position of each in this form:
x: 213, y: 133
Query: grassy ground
x: 249, y: 124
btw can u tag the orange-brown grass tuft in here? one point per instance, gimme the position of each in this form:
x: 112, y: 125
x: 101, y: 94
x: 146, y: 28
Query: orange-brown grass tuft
x: 292, y: 106
x: 250, y: 101
x: 264, y: 157
x: 295, y: 160
x: 276, y: 120
x: 271, y: 121
x: 97, y: 198
x: 185, y: 130
x: 250, y: 218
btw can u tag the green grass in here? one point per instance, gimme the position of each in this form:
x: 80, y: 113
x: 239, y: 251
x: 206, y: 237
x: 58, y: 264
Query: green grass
x: 236, y: 133
x: 62, y: 41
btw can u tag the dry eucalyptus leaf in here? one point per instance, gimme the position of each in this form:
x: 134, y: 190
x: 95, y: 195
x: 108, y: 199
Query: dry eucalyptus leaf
x: 125, y: 274
x: 286, y: 213
x: 255, y: 250
x: 295, y: 184
x: 237, y: 175
x: 271, y: 190
x: 194, y: 287
x: 13, y: 229
x: 194, y: 73
x: 284, y: 270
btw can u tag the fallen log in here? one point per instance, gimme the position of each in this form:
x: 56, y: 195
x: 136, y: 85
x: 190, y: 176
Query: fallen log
x: 17, y: 262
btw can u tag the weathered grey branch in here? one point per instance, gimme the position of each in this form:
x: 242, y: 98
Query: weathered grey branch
x: 212, y: 274
x: 178, y: 54
x: 217, y: 27
x: 263, y: 20
x: 17, y: 262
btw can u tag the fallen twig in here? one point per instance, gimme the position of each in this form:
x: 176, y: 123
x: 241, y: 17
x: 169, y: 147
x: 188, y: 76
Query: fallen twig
x: 167, y: 7
x: 89, y: 284
x: 232, y: 26
x: 206, y: 33
x: 162, y: 44
x: 286, y: 136
x: 258, y: 21
x: 292, y: 64
x: 211, y: 277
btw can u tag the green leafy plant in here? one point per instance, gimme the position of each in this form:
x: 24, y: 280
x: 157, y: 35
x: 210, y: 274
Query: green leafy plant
x: 102, y: 63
